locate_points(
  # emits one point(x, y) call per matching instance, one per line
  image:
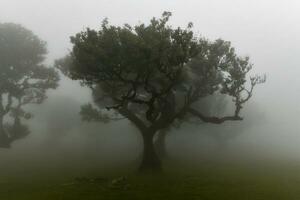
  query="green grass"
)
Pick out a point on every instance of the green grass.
point(214, 181)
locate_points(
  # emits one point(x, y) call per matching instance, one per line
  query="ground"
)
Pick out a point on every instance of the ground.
point(213, 181)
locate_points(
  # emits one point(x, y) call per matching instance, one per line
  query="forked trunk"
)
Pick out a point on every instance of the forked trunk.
point(150, 160)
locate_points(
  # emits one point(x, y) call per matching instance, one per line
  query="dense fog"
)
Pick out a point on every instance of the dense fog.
point(267, 31)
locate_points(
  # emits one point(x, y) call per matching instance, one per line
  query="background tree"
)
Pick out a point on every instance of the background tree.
point(155, 75)
point(23, 79)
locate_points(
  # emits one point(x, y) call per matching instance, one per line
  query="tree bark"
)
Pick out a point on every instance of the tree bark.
point(150, 161)
point(4, 140)
point(160, 144)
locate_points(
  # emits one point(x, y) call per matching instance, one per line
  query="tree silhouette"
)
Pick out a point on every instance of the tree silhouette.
point(23, 79)
point(155, 75)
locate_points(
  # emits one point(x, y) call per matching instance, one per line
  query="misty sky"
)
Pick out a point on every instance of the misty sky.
point(266, 30)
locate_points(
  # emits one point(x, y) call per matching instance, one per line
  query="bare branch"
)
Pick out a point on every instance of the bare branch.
point(213, 120)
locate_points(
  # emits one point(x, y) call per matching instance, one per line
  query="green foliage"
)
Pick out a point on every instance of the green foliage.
point(154, 74)
point(88, 113)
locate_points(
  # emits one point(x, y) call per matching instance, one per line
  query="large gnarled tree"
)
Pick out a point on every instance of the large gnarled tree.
point(155, 75)
point(23, 79)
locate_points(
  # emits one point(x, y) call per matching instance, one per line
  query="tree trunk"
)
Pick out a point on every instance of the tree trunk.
point(4, 140)
point(160, 144)
point(150, 160)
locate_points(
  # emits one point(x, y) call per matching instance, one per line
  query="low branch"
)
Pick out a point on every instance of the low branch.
point(213, 120)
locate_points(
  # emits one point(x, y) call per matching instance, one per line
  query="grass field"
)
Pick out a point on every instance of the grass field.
point(214, 181)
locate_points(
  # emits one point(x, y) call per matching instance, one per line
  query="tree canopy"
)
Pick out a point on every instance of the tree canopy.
point(155, 75)
point(24, 79)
